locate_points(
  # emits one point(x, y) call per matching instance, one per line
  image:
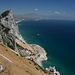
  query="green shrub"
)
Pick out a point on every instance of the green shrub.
point(6, 50)
point(2, 45)
point(39, 67)
point(36, 68)
point(0, 17)
point(5, 13)
point(29, 62)
point(17, 54)
point(6, 30)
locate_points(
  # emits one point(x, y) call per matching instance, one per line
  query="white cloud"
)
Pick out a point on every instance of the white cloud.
point(57, 12)
point(64, 12)
point(49, 11)
point(36, 9)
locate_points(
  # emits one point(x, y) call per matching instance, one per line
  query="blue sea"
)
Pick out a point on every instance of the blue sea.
point(57, 37)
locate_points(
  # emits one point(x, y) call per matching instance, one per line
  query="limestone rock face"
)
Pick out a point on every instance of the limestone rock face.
point(10, 36)
point(9, 33)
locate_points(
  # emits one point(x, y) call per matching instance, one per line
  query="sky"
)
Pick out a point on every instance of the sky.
point(54, 8)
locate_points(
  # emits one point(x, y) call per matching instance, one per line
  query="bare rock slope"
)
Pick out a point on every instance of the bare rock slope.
point(9, 33)
point(14, 64)
point(12, 45)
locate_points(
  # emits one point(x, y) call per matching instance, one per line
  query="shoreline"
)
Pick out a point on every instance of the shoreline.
point(41, 54)
point(38, 49)
point(19, 21)
point(39, 61)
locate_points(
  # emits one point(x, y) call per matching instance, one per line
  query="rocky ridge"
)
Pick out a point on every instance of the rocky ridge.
point(13, 47)
point(12, 63)
point(11, 37)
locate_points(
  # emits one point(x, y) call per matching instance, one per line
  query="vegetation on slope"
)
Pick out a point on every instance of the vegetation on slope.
point(20, 65)
point(4, 14)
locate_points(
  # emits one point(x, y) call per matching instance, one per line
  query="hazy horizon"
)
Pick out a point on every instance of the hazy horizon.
point(57, 9)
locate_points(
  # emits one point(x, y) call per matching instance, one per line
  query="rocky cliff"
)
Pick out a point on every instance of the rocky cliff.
point(10, 37)
point(9, 30)
point(12, 63)
point(9, 33)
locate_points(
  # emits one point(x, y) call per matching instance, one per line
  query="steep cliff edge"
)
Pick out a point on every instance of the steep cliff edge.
point(9, 30)
point(9, 33)
point(13, 64)
point(11, 37)
point(12, 45)
point(15, 52)
point(7, 19)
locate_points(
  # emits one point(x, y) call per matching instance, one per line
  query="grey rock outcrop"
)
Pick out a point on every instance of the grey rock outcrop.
point(10, 36)
point(9, 33)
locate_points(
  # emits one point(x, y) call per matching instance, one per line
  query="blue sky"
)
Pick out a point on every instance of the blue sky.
point(43, 7)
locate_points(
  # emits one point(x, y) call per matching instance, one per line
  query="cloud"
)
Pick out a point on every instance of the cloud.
point(64, 12)
point(36, 9)
point(57, 12)
point(49, 11)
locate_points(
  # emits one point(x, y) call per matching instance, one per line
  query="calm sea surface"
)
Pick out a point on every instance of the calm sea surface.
point(58, 39)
